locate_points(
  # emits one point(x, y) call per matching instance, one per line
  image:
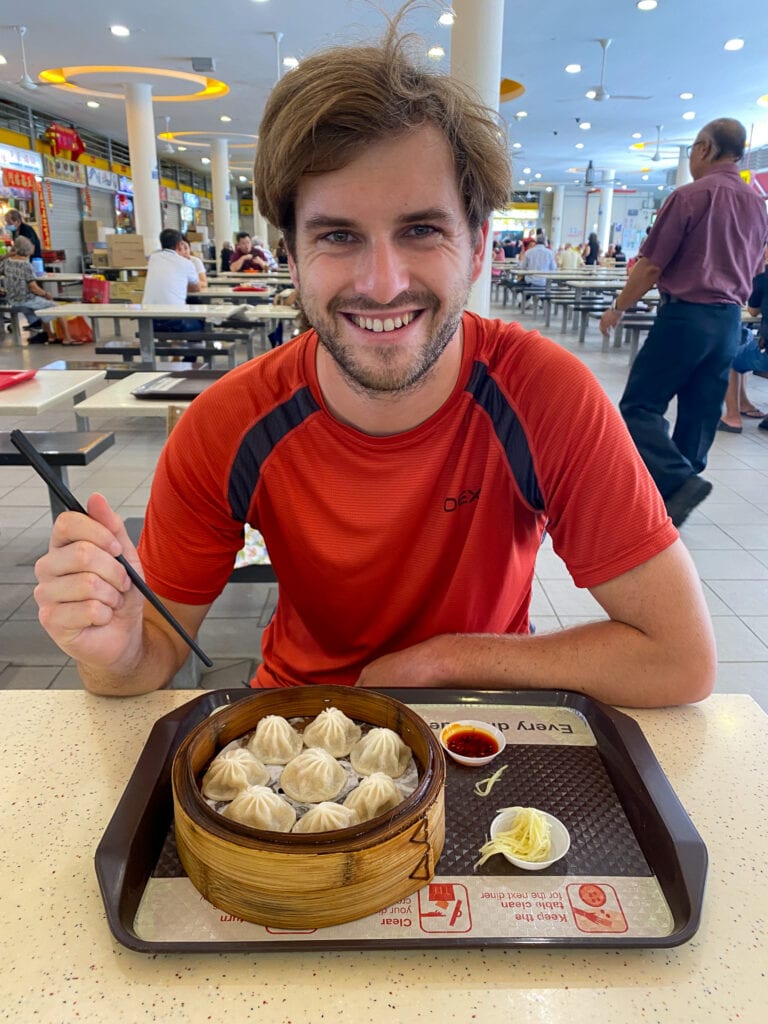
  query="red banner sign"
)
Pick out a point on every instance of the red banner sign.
point(18, 179)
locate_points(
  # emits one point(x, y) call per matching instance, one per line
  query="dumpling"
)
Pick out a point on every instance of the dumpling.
point(313, 776)
point(332, 731)
point(259, 807)
point(375, 795)
point(232, 771)
point(380, 750)
point(275, 741)
point(326, 817)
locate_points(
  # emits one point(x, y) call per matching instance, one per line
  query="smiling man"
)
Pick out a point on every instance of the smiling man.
point(403, 457)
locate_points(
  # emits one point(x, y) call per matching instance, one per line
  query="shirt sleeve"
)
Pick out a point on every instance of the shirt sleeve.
point(191, 272)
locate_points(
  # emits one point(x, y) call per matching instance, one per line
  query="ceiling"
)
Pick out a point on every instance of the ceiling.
point(675, 48)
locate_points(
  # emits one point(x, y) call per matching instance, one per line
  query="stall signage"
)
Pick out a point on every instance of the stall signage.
point(20, 159)
point(64, 170)
point(246, 207)
point(99, 178)
point(175, 195)
point(18, 179)
point(205, 203)
point(125, 185)
point(191, 199)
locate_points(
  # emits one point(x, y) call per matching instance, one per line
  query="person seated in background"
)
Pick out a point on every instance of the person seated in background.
point(281, 253)
point(197, 263)
point(244, 257)
point(498, 251)
point(538, 257)
point(16, 223)
point(23, 291)
point(619, 256)
point(570, 258)
point(226, 255)
point(261, 249)
point(171, 277)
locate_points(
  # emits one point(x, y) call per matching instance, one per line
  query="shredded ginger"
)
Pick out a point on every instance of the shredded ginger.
point(528, 839)
point(484, 786)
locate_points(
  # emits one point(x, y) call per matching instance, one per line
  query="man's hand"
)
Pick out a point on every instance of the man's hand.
point(610, 319)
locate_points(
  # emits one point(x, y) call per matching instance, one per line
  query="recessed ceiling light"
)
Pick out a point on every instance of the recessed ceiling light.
point(2, 59)
point(585, 125)
point(686, 95)
point(181, 149)
point(647, 5)
point(446, 18)
point(573, 69)
point(537, 175)
point(590, 94)
point(205, 160)
point(689, 115)
point(548, 188)
point(521, 181)
point(119, 30)
point(436, 53)
point(763, 101)
point(225, 118)
point(242, 178)
point(93, 104)
point(259, 1)
point(637, 135)
point(517, 145)
point(526, 170)
point(733, 44)
point(290, 62)
point(579, 145)
point(644, 177)
point(660, 188)
point(522, 113)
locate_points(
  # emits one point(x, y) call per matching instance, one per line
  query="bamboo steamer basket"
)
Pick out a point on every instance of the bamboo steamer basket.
point(309, 880)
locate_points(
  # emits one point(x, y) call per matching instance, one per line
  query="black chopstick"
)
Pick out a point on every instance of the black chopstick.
point(65, 496)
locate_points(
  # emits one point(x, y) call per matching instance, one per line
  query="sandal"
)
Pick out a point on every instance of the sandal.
point(753, 414)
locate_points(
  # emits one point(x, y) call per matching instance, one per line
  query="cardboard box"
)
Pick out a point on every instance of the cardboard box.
point(125, 241)
point(100, 258)
point(126, 291)
point(91, 230)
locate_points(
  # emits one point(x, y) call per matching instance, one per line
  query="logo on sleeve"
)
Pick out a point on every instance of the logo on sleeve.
point(466, 497)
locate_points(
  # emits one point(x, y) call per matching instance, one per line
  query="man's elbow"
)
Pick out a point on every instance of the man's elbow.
point(692, 677)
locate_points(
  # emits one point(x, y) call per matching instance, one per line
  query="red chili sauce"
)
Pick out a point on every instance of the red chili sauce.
point(471, 742)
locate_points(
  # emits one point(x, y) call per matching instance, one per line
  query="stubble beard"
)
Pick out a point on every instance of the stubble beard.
point(384, 373)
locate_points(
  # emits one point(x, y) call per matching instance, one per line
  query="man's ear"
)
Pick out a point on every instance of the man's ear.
point(478, 250)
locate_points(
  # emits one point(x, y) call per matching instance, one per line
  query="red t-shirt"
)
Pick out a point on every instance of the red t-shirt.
point(381, 542)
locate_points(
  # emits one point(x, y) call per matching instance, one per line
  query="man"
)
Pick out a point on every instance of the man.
point(16, 223)
point(244, 257)
point(170, 279)
point(570, 258)
point(403, 457)
point(705, 247)
point(538, 257)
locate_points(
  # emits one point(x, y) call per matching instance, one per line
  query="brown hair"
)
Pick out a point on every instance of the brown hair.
point(321, 115)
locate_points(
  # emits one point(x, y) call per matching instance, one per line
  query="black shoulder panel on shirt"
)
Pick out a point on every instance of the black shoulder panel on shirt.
point(257, 446)
point(509, 431)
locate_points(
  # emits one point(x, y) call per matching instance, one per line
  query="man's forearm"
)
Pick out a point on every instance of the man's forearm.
point(642, 277)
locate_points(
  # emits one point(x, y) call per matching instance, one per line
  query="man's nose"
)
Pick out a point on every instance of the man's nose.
point(382, 271)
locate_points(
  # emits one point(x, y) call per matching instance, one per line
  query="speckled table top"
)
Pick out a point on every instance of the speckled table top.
point(66, 757)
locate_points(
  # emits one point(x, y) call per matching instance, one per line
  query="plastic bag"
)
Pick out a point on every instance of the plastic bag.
point(95, 289)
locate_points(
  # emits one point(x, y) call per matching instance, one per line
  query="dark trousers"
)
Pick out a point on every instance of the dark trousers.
point(178, 326)
point(687, 354)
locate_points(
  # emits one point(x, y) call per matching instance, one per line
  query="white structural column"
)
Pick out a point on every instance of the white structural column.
point(222, 215)
point(605, 211)
point(476, 60)
point(260, 225)
point(140, 121)
point(683, 175)
point(556, 232)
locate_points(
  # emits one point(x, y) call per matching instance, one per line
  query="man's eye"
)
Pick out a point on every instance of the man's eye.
point(422, 230)
point(338, 236)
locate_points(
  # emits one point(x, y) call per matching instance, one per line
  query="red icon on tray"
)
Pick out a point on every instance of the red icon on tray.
point(596, 908)
point(444, 907)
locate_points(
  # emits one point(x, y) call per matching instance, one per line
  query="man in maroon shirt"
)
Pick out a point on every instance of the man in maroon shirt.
point(704, 249)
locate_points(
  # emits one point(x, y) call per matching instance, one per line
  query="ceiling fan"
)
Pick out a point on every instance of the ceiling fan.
point(599, 93)
point(26, 81)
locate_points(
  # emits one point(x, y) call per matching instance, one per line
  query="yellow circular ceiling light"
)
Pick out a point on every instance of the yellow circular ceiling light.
point(186, 138)
point(211, 88)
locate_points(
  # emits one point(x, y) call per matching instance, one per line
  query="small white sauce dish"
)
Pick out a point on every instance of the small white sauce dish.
point(453, 728)
point(559, 836)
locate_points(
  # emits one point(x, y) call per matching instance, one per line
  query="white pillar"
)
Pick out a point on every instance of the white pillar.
point(476, 61)
point(142, 146)
point(260, 225)
point(683, 175)
point(606, 210)
point(222, 219)
point(556, 232)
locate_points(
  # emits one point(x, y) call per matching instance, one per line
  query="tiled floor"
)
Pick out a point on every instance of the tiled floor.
point(727, 537)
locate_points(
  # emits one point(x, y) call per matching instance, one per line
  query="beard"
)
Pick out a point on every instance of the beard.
point(386, 369)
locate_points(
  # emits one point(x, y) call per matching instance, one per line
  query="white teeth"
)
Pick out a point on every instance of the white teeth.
point(383, 326)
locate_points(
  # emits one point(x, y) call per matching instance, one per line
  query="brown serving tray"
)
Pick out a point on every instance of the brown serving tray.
point(634, 876)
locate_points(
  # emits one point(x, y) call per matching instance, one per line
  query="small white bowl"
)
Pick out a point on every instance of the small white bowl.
point(559, 835)
point(472, 762)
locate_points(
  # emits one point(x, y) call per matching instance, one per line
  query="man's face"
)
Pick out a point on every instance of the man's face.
point(243, 245)
point(699, 159)
point(183, 249)
point(385, 259)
